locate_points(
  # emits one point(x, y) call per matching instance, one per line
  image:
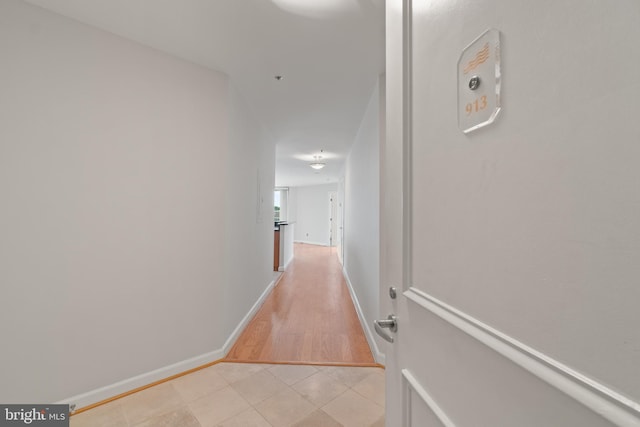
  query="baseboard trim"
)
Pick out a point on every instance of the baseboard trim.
point(284, 268)
point(102, 395)
point(288, 263)
point(99, 396)
point(247, 318)
point(594, 395)
point(278, 279)
point(377, 354)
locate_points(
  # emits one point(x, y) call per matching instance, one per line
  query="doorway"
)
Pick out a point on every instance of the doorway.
point(333, 223)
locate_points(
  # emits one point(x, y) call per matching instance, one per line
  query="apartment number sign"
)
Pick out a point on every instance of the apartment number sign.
point(479, 82)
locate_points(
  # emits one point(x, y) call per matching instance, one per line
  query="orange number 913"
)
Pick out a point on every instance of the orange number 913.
point(478, 105)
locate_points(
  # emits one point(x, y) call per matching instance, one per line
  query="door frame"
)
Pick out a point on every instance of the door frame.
point(333, 213)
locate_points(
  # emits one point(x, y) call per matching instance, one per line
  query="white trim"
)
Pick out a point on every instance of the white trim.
point(281, 268)
point(247, 318)
point(426, 397)
point(124, 386)
point(288, 262)
point(377, 354)
point(310, 243)
point(596, 396)
point(112, 390)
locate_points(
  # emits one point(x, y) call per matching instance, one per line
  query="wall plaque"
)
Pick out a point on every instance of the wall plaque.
point(479, 82)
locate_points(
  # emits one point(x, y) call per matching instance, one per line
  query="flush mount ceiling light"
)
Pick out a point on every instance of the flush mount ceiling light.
point(317, 164)
point(317, 8)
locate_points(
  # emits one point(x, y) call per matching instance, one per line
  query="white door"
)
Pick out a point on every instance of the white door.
point(514, 248)
point(340, 221)
point(333, 223)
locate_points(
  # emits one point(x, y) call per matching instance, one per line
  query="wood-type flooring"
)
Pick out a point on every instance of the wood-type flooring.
point(307, 318)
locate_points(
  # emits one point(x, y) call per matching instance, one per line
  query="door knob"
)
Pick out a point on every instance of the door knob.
point(389, 323)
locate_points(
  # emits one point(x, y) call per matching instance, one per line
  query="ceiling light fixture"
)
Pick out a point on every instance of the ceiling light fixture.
point(318, 8)
point(317, 164)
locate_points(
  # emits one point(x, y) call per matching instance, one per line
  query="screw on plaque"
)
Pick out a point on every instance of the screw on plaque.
point(474, 83)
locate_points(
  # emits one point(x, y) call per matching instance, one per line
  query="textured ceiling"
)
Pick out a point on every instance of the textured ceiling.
point(330, 53)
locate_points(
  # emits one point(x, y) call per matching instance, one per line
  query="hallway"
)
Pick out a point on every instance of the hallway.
point(308, 317)
point(306, 322)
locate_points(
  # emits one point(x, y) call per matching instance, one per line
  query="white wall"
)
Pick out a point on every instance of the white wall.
point(286, 245)
point(311, 212)
point(292, 204)
point(115, 165)
point(249, 208)
point(362, 205)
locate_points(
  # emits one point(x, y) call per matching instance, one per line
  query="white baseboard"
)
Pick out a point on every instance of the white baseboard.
point(124, 386)
point(288, 262)
point(377, 354)
point(284, 268)
point(246, 319)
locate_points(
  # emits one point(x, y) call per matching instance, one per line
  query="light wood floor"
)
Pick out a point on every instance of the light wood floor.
point(307, 318)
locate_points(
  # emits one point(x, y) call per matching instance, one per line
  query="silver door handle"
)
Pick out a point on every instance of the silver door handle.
point(389, 323)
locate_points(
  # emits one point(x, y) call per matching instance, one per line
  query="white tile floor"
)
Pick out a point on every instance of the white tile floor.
point(252, 395)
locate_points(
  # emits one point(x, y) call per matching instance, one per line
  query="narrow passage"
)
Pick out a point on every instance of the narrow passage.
point(308, 317)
